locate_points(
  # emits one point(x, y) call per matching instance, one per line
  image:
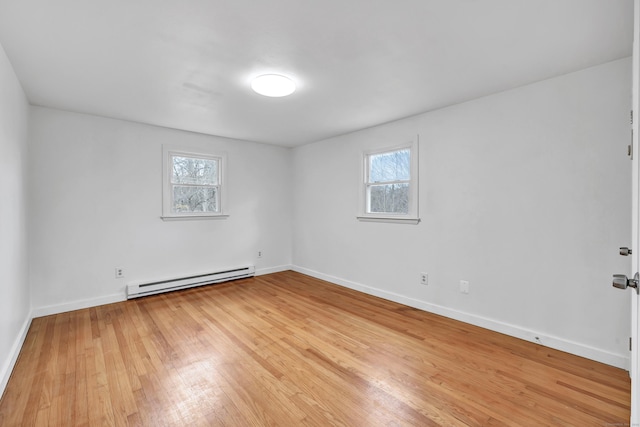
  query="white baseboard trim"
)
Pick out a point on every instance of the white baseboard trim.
point(599, 355)
point(109, 299)
point(8, 366)
point(270, 270)
point(77, 305)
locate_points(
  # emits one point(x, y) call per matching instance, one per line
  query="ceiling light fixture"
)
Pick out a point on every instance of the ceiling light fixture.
point(273, 85)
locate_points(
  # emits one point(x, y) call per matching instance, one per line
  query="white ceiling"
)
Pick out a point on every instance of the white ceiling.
point(187, 64)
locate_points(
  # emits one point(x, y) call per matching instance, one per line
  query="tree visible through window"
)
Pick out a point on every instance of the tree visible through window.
point(195, 184)
point(388, 181)
point(389, 185)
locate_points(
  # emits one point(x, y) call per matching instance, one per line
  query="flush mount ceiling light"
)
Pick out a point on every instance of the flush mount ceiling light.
point(273, 85)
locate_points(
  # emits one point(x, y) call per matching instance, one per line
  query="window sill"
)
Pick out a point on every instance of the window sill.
point(192, 217)
point(391, 220)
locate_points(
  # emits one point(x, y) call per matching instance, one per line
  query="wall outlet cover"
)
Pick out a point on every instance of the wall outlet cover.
point(424, 279)
point(464, 286)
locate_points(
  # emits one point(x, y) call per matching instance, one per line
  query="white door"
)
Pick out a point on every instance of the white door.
point(635, 238)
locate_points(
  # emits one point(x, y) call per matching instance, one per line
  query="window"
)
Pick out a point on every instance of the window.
point(390, 190)
point(193, 185)
point(388, 182)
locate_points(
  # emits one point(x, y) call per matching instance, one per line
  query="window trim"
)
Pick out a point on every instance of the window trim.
point(412, 217)
point(167, 169)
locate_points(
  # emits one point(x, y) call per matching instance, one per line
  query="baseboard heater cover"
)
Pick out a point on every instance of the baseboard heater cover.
point(136, 290)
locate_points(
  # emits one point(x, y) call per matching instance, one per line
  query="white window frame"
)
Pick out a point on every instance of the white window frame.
point(168, 152)
point(412, 216)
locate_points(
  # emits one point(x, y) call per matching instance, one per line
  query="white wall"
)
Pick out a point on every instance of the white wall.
point(96, 190)
point(14, 289)
point(525, 193)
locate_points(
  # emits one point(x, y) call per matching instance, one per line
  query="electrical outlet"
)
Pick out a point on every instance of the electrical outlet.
point(464, 286)
point(119, 272)
point(259, 254)
point(424, 279)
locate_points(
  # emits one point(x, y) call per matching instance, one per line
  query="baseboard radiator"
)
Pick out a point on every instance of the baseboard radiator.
point(136, 290)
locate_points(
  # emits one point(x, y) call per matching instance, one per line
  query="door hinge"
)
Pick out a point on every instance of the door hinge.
point(629, 343)
point(630, 147)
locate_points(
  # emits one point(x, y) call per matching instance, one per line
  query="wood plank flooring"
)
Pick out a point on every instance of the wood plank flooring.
point(287, 350)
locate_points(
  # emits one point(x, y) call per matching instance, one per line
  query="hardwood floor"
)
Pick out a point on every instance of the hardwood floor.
point(286, 349)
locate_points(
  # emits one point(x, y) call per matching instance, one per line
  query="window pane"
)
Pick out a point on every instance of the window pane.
point(194, 199)
point(390, 166)
point(190, 170)
point(389, 198)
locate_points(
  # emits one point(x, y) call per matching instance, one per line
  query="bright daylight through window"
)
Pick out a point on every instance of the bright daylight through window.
point(390, 184)
point(192, 185)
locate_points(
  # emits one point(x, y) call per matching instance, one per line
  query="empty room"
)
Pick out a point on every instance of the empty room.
point(349, 213)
